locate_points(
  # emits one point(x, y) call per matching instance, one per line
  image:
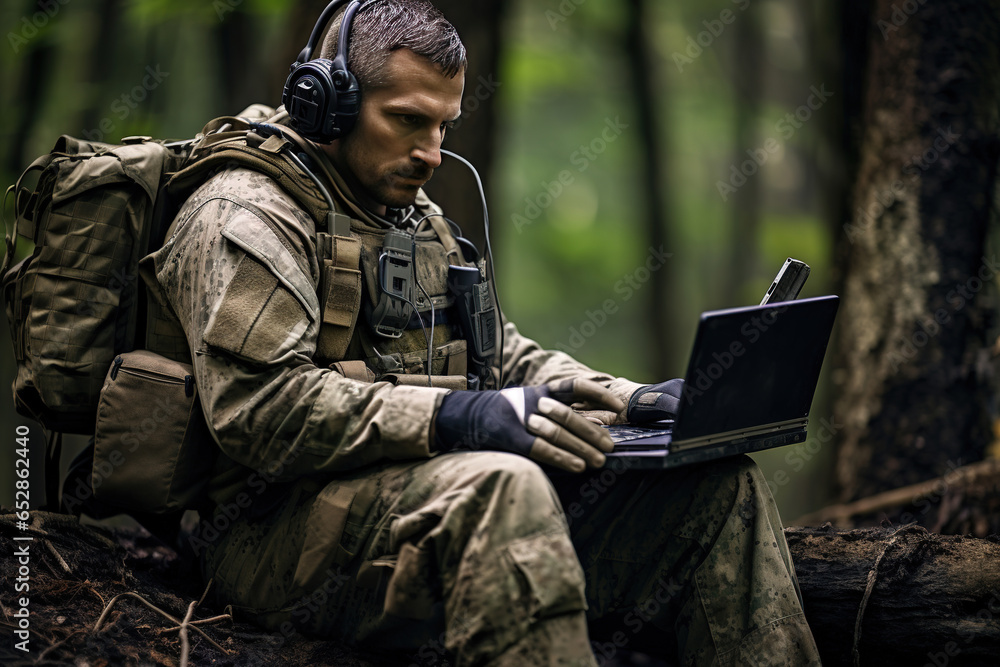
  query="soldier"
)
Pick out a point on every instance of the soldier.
point(362, 503)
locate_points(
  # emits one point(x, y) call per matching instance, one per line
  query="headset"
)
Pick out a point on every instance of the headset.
point(322, 96)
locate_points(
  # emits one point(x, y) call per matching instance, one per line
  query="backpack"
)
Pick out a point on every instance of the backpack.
point(73, 303)
point(76, 302)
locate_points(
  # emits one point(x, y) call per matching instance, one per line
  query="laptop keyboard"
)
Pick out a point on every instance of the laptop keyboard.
point(627, 432)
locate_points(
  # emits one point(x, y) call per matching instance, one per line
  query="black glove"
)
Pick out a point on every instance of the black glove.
point(536, 422)
point(655, 402)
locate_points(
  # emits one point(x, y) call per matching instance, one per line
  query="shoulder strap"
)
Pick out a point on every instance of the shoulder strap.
point(447, 239)
point(233, 151)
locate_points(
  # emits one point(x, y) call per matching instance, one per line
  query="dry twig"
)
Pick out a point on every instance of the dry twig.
point(59, 558)
point(111, 604)
point(185, 647)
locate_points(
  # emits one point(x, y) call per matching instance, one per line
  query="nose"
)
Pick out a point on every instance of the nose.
point(428, 150)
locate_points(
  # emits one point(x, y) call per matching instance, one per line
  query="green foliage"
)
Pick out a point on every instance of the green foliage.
point(204, 11)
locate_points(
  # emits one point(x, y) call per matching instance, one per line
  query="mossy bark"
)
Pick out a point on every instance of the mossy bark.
point(912, 391)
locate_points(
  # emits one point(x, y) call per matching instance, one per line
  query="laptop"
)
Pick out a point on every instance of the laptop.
point(749, 386)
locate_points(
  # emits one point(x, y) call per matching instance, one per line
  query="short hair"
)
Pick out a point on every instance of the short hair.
point(384, 26)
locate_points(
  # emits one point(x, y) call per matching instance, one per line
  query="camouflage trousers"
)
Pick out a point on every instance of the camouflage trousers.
point(480, 558)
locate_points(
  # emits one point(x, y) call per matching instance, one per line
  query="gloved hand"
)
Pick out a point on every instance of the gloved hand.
point(655, 402)
point(536, 422)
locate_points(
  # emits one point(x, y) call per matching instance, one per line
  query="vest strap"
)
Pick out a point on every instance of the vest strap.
point(447, 240)
point(341, 293)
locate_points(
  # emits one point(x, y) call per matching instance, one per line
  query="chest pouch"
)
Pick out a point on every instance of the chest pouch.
point(393, 309)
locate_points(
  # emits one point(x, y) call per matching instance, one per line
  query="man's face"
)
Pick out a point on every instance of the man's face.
point(395, 144)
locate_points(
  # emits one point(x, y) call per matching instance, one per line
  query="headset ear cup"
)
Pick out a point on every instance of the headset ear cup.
point(322, 103)
point(322, 96)
point(310, 98)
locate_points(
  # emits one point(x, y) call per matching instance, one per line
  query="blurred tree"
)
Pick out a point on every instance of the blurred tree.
point(748, 84)
point(101, 62)
point(31, 93)
point(234, 39)
point(654, 183)
point(919, 283)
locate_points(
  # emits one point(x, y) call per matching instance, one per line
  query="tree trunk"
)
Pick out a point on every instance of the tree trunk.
point(932, 599)
point(654, 184)
point(748, 83)
point(32, 88)
point(235, 38)
point(102, 74)
point(915, 311)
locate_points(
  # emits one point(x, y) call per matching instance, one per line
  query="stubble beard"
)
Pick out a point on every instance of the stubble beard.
point(384, 188)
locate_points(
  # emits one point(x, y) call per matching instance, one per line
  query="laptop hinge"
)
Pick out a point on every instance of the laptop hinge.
point(739, 434)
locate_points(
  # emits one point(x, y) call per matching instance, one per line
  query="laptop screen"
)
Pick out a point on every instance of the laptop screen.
point(754, 366)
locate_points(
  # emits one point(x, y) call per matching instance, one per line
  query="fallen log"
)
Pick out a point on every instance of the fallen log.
point(899, 596)
point(922, 599)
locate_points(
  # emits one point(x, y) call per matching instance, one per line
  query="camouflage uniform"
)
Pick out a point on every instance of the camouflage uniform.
point(336, 517)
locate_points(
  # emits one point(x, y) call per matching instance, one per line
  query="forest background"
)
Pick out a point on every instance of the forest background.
point(721, 135)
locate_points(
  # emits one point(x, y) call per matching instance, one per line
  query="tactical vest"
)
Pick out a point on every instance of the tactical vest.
point(348, 250)
point(403, 360)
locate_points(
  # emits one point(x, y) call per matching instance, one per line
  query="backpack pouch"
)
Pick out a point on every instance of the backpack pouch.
point(152, 448)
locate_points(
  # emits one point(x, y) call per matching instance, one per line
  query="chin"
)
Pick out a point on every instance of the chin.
point(397, 198)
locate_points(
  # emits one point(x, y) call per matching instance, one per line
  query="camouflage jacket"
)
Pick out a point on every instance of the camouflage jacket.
point(240, 276)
